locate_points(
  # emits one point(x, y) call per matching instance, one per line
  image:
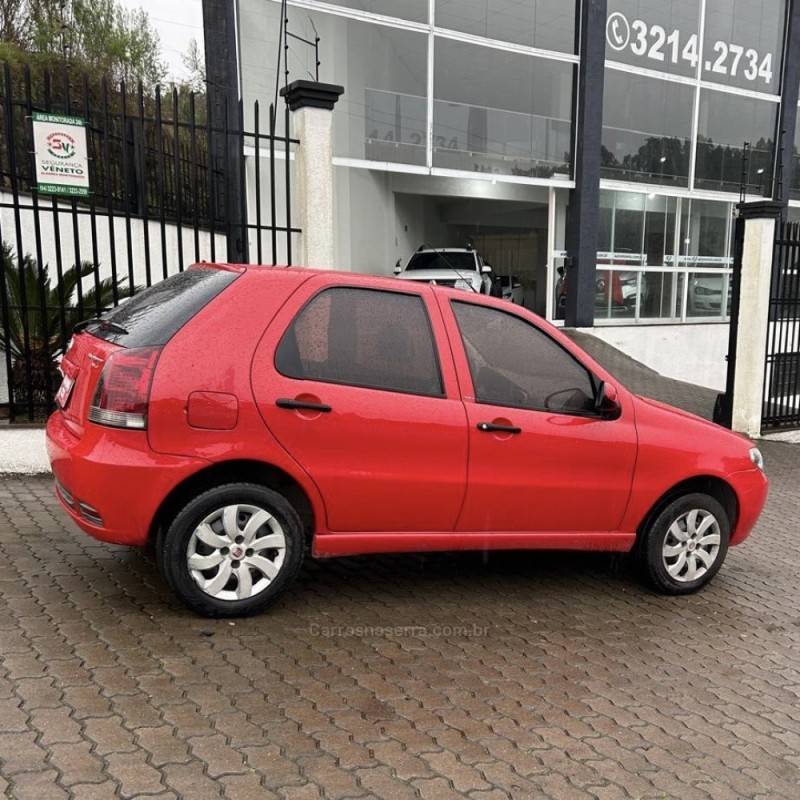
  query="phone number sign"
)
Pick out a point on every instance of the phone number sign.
point(663, 48)
point(62, 162)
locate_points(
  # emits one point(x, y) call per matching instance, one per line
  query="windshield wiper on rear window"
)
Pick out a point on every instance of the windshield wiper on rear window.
point(102, 323)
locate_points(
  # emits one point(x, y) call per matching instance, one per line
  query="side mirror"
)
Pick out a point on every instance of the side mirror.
point(486, 269)
point(607, 401)
point(398, 266)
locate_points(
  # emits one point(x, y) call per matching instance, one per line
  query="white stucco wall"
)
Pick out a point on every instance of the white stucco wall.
point(692, 353)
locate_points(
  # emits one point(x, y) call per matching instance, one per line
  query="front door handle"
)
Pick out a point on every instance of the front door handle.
point(489, 427)
point(303, 405)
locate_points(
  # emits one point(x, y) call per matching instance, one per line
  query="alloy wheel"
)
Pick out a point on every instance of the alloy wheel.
point(236, 552)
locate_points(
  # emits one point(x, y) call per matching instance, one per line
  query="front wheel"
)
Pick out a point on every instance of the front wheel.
point(682, 549)
point(232, 550)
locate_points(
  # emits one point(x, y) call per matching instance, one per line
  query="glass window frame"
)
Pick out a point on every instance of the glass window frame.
point(441, 395)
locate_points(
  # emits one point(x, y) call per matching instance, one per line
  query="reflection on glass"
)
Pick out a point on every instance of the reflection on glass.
point(705, 233)
point(621, 228)
point(615, 293)
point(743, 43)
point(636, 263)
point(382, 115)
point(394, 127)
point(548, 24)
point(660, 298)
point(726, 122)
point(501, 112)
point(646, 129)
point(659, 229)
point(707, 294)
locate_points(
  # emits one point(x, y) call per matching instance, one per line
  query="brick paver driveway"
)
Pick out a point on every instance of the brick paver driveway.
point(522, 676)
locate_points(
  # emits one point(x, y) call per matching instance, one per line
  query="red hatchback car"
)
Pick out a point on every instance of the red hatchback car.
point(237, 417)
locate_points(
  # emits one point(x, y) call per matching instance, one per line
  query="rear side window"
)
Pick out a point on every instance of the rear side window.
point(153, 316)
point(363, 337)
point(515, 364)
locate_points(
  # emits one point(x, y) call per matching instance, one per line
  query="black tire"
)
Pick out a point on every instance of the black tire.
point(649, 551)
point(175, 538)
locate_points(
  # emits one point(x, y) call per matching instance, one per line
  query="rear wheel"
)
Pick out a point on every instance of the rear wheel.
point(682, 549)
point(232, 550)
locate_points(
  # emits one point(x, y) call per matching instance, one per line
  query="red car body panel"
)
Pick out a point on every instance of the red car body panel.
point(557, 458)
point(384, 471)
point(382, 460)
point(116, 473)
point(671, 450)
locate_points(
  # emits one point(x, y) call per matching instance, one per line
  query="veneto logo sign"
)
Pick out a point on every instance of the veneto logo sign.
point(62, 164)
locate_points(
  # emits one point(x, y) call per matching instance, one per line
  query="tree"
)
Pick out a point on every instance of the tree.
point(13, 21)
point(100, 37)
point(195, 65)
point(27, 292)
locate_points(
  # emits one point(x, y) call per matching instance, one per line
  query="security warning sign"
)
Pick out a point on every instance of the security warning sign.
point(62, 164)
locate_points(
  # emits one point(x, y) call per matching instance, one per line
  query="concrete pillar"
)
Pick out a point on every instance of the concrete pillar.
point(311, 104)
point(754, 290)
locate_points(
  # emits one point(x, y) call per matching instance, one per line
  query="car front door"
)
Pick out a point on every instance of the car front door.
point(358, 385)
point(541, 459)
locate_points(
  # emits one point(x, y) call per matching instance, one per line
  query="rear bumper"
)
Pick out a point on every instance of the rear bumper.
point(109, 481)
point(751, 487)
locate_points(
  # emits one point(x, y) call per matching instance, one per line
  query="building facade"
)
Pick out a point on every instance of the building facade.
point(458, 124)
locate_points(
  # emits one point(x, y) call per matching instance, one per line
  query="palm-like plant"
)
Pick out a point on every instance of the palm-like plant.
point(40, 313)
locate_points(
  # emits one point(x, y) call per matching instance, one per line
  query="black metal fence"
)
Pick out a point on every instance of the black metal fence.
point(781, 404)
point(163, 172)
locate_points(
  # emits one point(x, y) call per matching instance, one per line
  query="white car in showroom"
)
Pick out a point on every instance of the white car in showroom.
point(459, 268)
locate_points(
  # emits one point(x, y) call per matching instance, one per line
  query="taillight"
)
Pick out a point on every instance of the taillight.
point(123, 390)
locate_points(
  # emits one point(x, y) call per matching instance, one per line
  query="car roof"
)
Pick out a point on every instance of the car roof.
point(363, 278)
point(444, 250)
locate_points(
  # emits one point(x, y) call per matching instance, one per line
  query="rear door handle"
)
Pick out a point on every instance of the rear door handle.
point(489, 427)
point(306, 405)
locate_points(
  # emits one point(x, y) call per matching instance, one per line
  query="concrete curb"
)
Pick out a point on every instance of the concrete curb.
point(22, 452)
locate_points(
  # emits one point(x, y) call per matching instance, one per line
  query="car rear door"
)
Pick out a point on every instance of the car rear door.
point(356, 381)
point(540, 460)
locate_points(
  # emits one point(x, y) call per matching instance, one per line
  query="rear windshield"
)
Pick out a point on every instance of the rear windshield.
point(458, 261)
point(153, 316)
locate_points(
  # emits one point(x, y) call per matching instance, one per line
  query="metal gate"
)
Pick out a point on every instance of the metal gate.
point(781, 404)
point(165, 191)
point(723, 409)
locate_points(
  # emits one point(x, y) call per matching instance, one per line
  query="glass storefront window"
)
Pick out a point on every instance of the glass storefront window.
point(546, 24)
point(794, 189)
point(659, 229)
point(708, 294)
point(705, 233)
point(501, 112)
point(726, 122)
point(413, 10)
point(382, 116)
point(660, 295)
point(744, 42)
point(654, 35)
point(647, 129)
point(638, 275)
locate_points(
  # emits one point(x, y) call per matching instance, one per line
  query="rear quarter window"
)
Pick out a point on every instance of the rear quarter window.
point(153, 316)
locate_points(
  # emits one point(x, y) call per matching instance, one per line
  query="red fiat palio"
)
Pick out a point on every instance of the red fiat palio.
point(239, 417)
